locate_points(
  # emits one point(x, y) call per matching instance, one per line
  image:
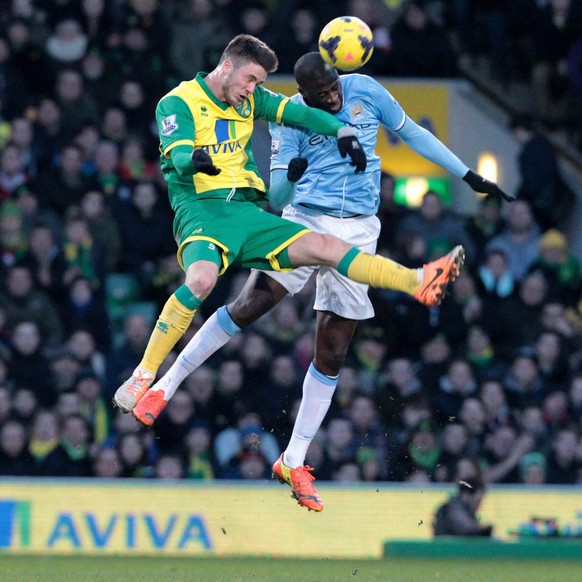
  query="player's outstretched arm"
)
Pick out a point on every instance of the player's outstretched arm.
point(430, 147)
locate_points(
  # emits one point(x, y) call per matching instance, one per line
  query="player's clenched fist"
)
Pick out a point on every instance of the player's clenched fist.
point(348, 145)
point(202, 162)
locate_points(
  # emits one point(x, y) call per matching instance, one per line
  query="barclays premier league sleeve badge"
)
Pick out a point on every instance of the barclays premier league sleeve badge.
point(169, 125)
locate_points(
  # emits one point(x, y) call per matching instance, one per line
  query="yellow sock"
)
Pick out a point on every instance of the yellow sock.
point(378, 271)
point(170, 327)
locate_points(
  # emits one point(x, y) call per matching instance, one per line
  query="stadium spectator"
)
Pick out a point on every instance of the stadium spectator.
point(107, 464)
point(200, 461)
point(44, 437)
point(562, 466)
point(561, 269)
point(398, 385)
point(542, 184)
point(519, 240)
point(340, 446)
point(454, 444)
point(497, 411)
point(29, 62)
point(133, 455)
point(438, 226)
point(456, 384)
point(484, 224)
point(420, 455)
point(494, 279)
point(502, 453)
point(175, 424)
point(531, 420)
point(71, 457)
point(78, 108)
point(523, 382)
point(67, 44)
point(247, 434)
point(82, 343)
point(473, 417)
point(555, 411)
point(13, 172)
point(102, 227)
point(25, 405)
point(516, 321)
point(15, 460)
point(64, 183)
point(144, 213)
point(48, 136)
point(169, 467)
point(92, 405)
point(28, 364)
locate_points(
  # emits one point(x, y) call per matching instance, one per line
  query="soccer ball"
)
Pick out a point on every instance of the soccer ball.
point(346, 43)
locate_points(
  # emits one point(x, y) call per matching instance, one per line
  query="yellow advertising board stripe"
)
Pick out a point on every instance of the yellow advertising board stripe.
point(426, 102)
point(232, 519)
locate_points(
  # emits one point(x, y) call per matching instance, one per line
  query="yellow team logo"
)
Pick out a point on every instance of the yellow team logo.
point(244, 108)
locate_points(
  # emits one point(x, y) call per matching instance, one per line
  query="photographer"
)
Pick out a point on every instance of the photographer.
point(457, 517)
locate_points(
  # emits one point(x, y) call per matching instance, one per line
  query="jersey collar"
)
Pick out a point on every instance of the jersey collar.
point(200, 80)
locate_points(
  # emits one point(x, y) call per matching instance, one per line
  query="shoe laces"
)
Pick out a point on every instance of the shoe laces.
point(303, 475)
point(137, 385)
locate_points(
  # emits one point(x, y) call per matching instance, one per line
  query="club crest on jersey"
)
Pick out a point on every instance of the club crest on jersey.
point(275, 146)
point(169, 125)
point(244, 108)
point(356, 111)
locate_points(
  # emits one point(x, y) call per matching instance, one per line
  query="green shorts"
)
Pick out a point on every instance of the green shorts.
point(246, 235)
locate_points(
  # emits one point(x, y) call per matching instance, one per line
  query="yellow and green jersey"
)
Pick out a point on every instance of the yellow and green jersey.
point(191, 115)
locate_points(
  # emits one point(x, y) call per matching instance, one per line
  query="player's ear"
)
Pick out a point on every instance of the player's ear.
point(227, 66)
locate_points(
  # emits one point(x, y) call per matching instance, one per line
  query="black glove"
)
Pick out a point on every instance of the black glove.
point(479, 184)
point(296, 169)
point(203, 163)
point(348, 145)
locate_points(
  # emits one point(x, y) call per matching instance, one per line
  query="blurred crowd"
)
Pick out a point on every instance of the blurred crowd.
point(488, 383)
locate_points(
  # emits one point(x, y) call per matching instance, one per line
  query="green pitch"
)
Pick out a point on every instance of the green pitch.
point(117, 569)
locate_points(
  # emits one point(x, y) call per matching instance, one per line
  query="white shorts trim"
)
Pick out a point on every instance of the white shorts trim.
point(334, 292)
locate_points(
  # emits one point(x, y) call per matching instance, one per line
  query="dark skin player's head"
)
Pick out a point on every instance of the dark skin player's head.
point(318, 83)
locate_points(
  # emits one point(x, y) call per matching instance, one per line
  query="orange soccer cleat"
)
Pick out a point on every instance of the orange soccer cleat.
point(150, 407)
point(300, 480)
point(132, 390)
point(437, 275)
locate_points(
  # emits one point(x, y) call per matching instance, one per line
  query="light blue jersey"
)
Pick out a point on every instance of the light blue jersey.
point(330, 183)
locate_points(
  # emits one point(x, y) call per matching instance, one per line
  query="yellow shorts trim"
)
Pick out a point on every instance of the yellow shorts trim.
point(271, 257)
point(223, 254)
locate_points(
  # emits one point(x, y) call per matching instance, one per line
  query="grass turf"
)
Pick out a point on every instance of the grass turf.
point(212, 569)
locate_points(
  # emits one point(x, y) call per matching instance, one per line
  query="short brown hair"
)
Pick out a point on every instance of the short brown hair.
point(245, 47)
